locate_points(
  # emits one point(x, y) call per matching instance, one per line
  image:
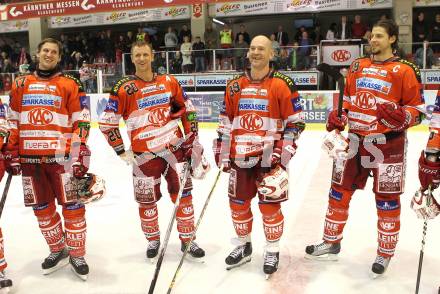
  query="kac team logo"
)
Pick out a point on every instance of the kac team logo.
point(40, 117)
point(365, 100)
point(158, 115)
point(251, 122)
point(341, 55)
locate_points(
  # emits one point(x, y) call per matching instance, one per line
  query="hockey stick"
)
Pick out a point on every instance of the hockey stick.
point(425, 227)
point(5, 193)
point(170, 288)
point(169, 229)
point(327, 69)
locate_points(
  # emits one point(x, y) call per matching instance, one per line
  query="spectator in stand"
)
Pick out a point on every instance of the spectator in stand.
point(297, 59)
point(226, 45)
point(120, 48)
point(283, 60)
point(23, 57)
point(383, 17)
point(435, 34)
point(176, 64)
point(366, 42)
point(343, 31)
point(420, 30)
point(77, 60)
point(316, 33)
point(7, 66)
point(282, 37)
point(275, 45)
point(211, 43)
point(199, 55)
point(127, 54)
point(243, 32)
point(140, 36)
point(87, 77)
point(160, 63)
point(331, 33)
point(240, 53)
point(171, 40)
point(5, 47)
point(23, 68)
point(186, 50)
point(109, 47)
point(358, 29)
point(418, 56)
point(299, 33)
point(185, 31)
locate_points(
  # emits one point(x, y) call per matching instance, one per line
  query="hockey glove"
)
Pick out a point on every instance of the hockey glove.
point(12, 160)
point(425, 205)
point(429, 172)
point(282, 153)
point(128, 157)
point(81, 165)
point(394, 117)
point(223, 162)
point(334, 122)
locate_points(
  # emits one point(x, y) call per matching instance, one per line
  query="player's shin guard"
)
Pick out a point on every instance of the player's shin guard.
point(75, 224)
point(273, 222)
point(185, 218)
point(149, 221)
point(337, 214)
point(3, 263)
point(242, 218)
point(49, 222)
point(388, 224)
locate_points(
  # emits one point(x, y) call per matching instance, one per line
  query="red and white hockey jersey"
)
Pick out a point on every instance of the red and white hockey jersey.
point(47, 115)
point(370, 82)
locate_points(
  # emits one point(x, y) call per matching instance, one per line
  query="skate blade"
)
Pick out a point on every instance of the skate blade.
point(152, 260)
point(5, 290)
point(82, 277)
point(324, 257)
point(191, 258)
point(63, 262)
point(243, 261)
point(373, 275)
point(268, 276)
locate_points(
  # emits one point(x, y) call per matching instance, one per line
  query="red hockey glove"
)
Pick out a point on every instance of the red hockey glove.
point(81, 165)
point(282, 153)
point(429, 172)
point(393, 117)
point(336, 123)
point(221, 160)
point(187, 146)
point(12, 160)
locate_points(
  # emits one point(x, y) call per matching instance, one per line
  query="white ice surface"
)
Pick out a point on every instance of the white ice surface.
point(116, 245)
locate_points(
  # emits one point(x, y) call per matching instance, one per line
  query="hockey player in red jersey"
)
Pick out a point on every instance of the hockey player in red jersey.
point(259, 124)
point(50, 122)
point(5, 283)
point(151, 106)
point(423, 203)
point(382, 99)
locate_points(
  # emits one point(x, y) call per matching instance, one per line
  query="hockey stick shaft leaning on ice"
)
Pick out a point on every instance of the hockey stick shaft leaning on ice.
point(337, 76)
point(422, 250)
point(5, 194)
point(169, 229)
point(170, 288)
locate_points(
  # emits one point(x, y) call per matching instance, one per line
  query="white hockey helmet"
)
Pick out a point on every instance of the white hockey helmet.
point(274, 184)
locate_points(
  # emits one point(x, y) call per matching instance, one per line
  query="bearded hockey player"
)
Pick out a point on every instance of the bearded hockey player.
point(50, 123)
point(423, 203)
point(258, 126)
point(152, 105)
point(382, 99)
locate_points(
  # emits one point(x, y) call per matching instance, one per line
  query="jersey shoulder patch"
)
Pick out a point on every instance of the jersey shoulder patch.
point(115, 89)
point(287, 80)
point(77, 81)
point(414, 67)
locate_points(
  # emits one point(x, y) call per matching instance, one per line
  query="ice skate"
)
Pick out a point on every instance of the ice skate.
point(323, 251)
point(271, 260)
point(240, 255)
point(379, 266)
point(55, 261)
point(195, 253)
point(153, 250)
point(5, 283)
point(79, 267)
